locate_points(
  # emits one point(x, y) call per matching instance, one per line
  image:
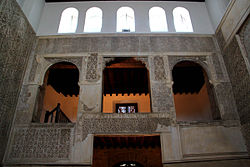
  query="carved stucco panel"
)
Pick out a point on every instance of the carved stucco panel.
point(117, 125)
point(75, 60)
point(41, 143)
point(92, 68)
point(159, 69)
point(162, 99)
point(173, 60)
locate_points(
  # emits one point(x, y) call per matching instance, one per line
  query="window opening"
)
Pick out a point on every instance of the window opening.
point(126, 87)
point(93, 20)
point(157, 20)
point(59, 95)
point(182, 20)
point(125, 20)
point(127, 108)
point(68, 22)
point(193, 94)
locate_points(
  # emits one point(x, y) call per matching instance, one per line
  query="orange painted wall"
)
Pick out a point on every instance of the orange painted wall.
point(191, 107)
point(69, 104)
point(142, 100)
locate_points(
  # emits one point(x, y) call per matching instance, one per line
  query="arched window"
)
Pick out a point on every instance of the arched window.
point(182, 20)
point(157, 19)
point(125, 20)
point(193, 94)
point(93, 20)
point(59, 95)
point(68, 22)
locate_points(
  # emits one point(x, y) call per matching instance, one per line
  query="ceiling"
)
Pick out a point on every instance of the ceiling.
point(121, 0)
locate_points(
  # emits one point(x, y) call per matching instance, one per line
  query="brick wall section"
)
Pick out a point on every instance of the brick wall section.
point(240, 78)
point(16, 39)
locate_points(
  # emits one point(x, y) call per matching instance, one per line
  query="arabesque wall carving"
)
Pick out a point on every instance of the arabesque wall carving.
point(41, 142)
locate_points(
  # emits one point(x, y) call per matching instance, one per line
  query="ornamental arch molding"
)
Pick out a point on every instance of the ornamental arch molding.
point(200, 60)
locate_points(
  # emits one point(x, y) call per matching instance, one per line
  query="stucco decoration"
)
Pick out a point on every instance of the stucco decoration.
point(75, 60)
point(162, 100)
point(159, 69)
point(118, 125)
point(41, 142)
point(92, 70)
point(128, 43)
point(16, 42)
point(240, 78)
point(144, 60)
point(201, 60)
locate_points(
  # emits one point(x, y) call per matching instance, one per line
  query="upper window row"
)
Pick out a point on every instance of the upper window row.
point(125, 20)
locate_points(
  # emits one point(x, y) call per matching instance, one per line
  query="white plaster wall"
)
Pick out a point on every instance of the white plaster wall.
point(32, 10)
point(52, 12)
point(216, 10)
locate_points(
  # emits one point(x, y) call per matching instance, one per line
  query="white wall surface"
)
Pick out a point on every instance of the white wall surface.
point(32, 10)
point(216, 10)
point(50, 19)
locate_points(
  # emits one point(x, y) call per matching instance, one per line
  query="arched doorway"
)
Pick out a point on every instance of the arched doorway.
point(193, 94)
point(59, 95)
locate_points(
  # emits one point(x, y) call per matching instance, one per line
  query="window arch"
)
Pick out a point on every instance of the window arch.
point(93, 20)
point(182, 20)
point(125, 20)
point(157, 19)
point(69, 20)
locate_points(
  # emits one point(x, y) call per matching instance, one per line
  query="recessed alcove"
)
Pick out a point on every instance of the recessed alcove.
point(126, 81)
point(193, 94)
point(59, 94)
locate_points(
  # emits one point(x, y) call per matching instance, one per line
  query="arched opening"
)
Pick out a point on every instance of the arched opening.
point(182, 20)
point(157, 20)
point(59, 95)
point(193, 94)
point(126, 87)
point(93, 20)
point(69, 20)
point(125, 20)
